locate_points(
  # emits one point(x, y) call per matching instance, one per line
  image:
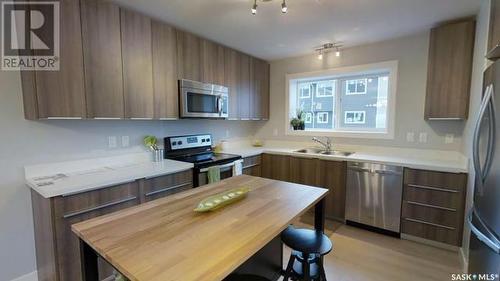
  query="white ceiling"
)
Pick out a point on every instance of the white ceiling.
point(272, 35)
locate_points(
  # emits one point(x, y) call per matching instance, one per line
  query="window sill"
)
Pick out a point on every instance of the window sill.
point(342, 134)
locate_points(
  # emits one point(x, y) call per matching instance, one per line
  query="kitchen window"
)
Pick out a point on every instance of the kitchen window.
point(355, 101)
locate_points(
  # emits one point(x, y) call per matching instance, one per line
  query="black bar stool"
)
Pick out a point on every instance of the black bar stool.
point(308, 249)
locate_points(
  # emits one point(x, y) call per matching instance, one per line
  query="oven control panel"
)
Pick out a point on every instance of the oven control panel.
point(193, 141)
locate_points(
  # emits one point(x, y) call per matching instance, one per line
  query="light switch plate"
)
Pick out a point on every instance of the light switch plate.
point(449, 138)
point(422, 137)
point(125, 141)
point(410, 137)
point(112, 142)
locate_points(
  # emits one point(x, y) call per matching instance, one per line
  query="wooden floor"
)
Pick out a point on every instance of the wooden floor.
point(360, 255)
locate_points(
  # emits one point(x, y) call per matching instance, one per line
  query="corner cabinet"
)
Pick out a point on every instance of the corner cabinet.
point(449, 71)
point(117, 64)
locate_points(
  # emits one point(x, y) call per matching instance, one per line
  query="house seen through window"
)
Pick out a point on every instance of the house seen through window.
point(343, 102)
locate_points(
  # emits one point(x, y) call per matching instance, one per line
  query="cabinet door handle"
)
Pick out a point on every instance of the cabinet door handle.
point(433, 188)
point(430, 223)
point(107, 205)
point(250, 166)
point(431, 206)
point(166, 189)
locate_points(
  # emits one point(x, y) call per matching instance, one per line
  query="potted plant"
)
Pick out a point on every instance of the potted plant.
point(298, 122)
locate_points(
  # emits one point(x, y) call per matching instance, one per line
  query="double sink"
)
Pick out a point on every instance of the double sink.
point(324, 152)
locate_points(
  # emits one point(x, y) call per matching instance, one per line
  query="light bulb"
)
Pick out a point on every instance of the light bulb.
point(320, 56)
point(254, 8)
point(337, 53)
point(284, 8)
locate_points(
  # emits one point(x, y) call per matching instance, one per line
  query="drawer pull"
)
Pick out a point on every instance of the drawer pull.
point(431, 206)
point(166, 189)
point(433, 188)
point(107, 205)
point(250, 166)
point(430, 223)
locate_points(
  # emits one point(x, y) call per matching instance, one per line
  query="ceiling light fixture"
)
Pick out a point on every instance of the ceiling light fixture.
point(284, 8)
point(328, 47)
point(254, 8)
point(320, 55)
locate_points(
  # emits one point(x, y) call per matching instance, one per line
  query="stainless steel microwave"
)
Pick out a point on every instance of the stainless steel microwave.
point(202, 100)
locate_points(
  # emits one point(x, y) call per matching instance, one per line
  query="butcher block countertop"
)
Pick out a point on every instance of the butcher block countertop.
point(166, 240)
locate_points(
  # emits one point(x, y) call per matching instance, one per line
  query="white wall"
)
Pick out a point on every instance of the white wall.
point(25, 142)
point(411, 52)
point(480, 64)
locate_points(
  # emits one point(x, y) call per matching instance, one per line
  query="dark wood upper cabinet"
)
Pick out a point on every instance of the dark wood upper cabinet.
point(494, 31)
point(259, 93)
point(449, 71)
point(244, 86)
point(212, 62)
point(188, 56)
point(137, 65)
point(231, 80)
point(164, 47)
point(103, 59)
point(59, 94)
point(116, 63)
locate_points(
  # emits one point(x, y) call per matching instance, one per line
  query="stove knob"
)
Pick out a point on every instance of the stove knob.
point(174, 143)
point(179, 142)
point(203, 140)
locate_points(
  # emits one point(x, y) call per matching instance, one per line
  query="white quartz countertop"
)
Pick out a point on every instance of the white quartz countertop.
point(425, 159)
point(66, 178)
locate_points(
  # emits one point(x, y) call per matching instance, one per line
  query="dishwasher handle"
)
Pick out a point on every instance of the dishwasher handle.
point(374, 171)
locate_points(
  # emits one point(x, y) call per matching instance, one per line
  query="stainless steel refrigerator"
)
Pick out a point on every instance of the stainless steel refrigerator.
point(484, 217)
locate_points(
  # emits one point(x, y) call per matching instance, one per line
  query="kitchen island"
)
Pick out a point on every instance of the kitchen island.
point(166, 240)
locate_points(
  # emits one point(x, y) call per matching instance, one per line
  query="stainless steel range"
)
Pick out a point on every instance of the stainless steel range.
point(197, 149)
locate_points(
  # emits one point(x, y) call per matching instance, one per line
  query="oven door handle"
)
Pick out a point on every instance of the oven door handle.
point(220, 166)
point(219, 105)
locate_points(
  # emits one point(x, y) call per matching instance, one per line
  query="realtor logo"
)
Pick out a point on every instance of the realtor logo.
point(30, 35)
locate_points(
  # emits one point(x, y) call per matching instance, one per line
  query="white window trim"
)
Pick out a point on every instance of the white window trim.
point(322, 113)
point(354, 111)
point(318, 95)
point(390, 66)
point(356, 93)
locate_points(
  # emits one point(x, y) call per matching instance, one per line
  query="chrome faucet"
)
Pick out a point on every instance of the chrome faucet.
point(327, 144)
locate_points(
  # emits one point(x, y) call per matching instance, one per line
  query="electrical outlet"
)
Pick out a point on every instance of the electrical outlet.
point(449, 138)
point(410, 137)
point(125, 141)
point(112, 142)
point(275, 132)
point(422, 137)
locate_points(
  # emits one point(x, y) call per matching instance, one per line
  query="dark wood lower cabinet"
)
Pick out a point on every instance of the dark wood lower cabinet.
point(433, 205)
point(57, 248)
point(252, 166)
point(310, 171)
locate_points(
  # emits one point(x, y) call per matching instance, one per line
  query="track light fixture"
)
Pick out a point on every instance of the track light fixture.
point(254, 8)
point(328, 47)
point(284, 7)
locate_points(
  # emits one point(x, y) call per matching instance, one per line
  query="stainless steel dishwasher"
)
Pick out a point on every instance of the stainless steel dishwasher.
point(374, 194)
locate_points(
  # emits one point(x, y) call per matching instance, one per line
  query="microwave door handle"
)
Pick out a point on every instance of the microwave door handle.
point(475, 143)
point(491, 135)
point(219, 105)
